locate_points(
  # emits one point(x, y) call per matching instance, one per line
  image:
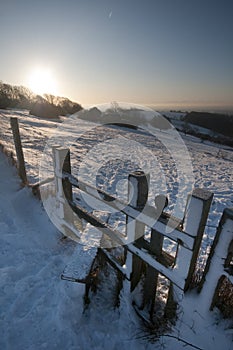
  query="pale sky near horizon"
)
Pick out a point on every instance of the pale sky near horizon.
point(176, 52)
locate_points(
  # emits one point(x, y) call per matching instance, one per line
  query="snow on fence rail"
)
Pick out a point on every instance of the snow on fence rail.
point(143, 256)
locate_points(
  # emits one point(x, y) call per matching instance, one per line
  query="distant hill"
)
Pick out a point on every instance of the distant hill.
point(214, 127)
point(219, 123)
point(46, 106)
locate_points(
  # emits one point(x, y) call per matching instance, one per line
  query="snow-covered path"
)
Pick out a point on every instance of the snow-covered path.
point(37, 309)
point(33, 299)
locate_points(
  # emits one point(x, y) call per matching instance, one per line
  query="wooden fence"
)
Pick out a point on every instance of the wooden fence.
point(142, 256)
point(143, 259)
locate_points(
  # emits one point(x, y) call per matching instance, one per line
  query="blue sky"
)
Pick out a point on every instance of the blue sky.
point(161, 52)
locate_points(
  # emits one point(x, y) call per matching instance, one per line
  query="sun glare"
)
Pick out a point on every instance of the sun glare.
point(41, 81)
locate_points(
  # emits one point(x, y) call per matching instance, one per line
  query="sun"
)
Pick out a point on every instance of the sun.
point(41, 81)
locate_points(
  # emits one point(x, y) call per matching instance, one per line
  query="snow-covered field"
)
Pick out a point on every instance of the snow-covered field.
point(38, 310)
point(109, 157)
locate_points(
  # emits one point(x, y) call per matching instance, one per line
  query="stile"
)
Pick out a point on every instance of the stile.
point(143, 255)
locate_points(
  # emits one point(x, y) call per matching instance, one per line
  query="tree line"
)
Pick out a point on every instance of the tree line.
point(46, 106)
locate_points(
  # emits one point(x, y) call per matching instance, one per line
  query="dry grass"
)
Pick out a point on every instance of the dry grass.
point(224, 300)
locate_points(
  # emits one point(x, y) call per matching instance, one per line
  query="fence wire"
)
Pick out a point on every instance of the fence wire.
point(34, 133)
point(6, 137)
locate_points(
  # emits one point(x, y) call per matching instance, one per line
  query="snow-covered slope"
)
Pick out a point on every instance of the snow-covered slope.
point(40, 311)
point(183, 124)
point(211, 163)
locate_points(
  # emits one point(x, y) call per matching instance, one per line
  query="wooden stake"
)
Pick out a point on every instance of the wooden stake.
point(19, 150)
point(197, 211)
point(151, 281)
point(137, 195)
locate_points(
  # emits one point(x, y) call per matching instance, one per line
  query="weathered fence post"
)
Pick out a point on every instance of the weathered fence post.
point(217, 260)
point(151, 279)
point(137, 195)
point(19, 150)
point(67, 187)
point(155, 248)
point(64, 194)
point(196, 215)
